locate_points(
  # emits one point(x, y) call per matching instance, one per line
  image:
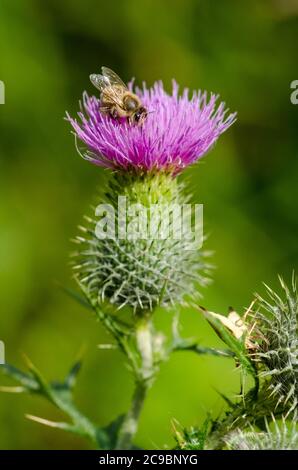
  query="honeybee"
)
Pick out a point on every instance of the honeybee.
point(116, 99)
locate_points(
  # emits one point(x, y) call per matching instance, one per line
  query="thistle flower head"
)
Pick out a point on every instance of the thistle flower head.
point(146, 271)
point(276, 352)
point(176, 133)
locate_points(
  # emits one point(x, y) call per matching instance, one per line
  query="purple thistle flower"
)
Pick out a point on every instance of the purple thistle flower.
point(176, 133)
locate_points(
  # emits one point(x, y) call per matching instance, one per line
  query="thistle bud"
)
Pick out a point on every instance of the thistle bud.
point(141, 249)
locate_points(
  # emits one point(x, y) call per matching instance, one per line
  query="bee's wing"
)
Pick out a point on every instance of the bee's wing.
point(99, 81)
point(112, 77)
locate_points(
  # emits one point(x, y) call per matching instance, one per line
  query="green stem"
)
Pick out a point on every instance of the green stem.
point(144, 344)
point(202, 349)
point(130, 423)
point(144, 380)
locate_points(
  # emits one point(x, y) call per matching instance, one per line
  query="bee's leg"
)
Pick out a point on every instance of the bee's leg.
point(114, 112)
point(122, 113)
point(104, 110)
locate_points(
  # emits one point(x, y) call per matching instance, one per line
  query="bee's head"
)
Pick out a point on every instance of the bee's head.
point(140, 115)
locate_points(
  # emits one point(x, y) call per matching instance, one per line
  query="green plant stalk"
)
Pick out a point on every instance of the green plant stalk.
point(144, 379)
point(186, 345)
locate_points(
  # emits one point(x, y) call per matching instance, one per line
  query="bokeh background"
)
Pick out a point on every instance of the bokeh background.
point(247, 52)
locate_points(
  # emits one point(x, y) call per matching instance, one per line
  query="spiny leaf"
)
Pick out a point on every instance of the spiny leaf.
point(43, 385)
point(107, 437)
point(76, 296)
point(226, 399)
point(28, 382)
point(193, 438)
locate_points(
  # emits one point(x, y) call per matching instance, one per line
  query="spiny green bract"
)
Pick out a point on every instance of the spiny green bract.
point(277, 350)
point(143, 272)
point(192, 438)
point(281, 437)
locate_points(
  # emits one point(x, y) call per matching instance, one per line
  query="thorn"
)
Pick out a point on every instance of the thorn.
point(27, 361)
point(82, 229)
point(88, 219)
point(249, 309)
point(175, 425)
point(81, 353)
point(17, 389)
point(39, 420)
point(107, 346)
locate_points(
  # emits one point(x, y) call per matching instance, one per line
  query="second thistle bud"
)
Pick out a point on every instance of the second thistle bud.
point(277, 354)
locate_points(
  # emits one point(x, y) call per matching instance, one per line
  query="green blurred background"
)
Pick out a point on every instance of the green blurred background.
point(247, 52)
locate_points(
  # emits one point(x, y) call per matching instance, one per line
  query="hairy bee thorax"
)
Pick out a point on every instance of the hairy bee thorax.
point(131, 101)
